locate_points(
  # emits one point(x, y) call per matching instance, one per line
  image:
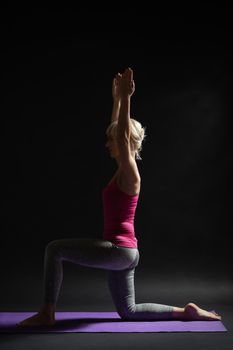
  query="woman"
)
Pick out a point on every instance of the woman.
point(117, 252)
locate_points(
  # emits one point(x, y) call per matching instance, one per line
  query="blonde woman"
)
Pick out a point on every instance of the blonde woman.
point(117, 251)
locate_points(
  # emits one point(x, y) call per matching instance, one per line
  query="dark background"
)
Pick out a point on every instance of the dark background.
point(56, 75)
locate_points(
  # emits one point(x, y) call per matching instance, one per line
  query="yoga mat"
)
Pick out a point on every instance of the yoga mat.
point(103, 322)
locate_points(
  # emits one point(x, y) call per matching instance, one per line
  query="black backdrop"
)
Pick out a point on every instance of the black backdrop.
point(57, 70)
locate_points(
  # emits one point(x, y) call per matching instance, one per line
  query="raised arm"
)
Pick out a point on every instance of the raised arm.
point(126, 90)
point(116, 98)
point(126, 154)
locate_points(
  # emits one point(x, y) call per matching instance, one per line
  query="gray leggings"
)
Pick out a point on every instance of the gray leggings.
point(120, 263)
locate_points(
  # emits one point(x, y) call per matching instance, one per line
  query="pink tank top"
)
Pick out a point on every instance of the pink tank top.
point(119, 211)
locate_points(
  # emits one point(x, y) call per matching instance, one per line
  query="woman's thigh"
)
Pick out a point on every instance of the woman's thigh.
point(121, 286)
point(93, 252)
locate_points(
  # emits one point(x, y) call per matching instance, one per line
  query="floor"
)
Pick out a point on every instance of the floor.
point(208, 294)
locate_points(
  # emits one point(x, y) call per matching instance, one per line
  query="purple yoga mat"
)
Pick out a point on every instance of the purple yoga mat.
point(103, 322)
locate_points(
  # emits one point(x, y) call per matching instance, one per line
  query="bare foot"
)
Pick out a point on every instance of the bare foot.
point(37, 320)
point(193, 312)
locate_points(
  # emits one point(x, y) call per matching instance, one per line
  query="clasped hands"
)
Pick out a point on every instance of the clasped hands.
point(123, 85)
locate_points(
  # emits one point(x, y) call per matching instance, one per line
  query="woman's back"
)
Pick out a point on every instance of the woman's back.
point(119, 212)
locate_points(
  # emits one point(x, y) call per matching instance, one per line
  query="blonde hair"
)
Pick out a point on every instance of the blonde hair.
point(137, 135)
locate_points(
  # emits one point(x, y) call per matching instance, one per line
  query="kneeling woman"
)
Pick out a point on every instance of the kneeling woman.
point(117, 252)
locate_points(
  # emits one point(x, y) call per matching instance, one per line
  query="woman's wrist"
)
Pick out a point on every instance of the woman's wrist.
point(125, 98)
point(116, 101)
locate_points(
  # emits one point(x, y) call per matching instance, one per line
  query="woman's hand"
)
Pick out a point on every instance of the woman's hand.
point(126, 84)
point(115, 87)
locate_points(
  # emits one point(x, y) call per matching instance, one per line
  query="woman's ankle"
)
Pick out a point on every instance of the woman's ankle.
point(48, 309)
point(178, 312)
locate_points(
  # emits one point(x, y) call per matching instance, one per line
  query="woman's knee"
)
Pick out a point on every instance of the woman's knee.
point(53, 246)
point(127, 313)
